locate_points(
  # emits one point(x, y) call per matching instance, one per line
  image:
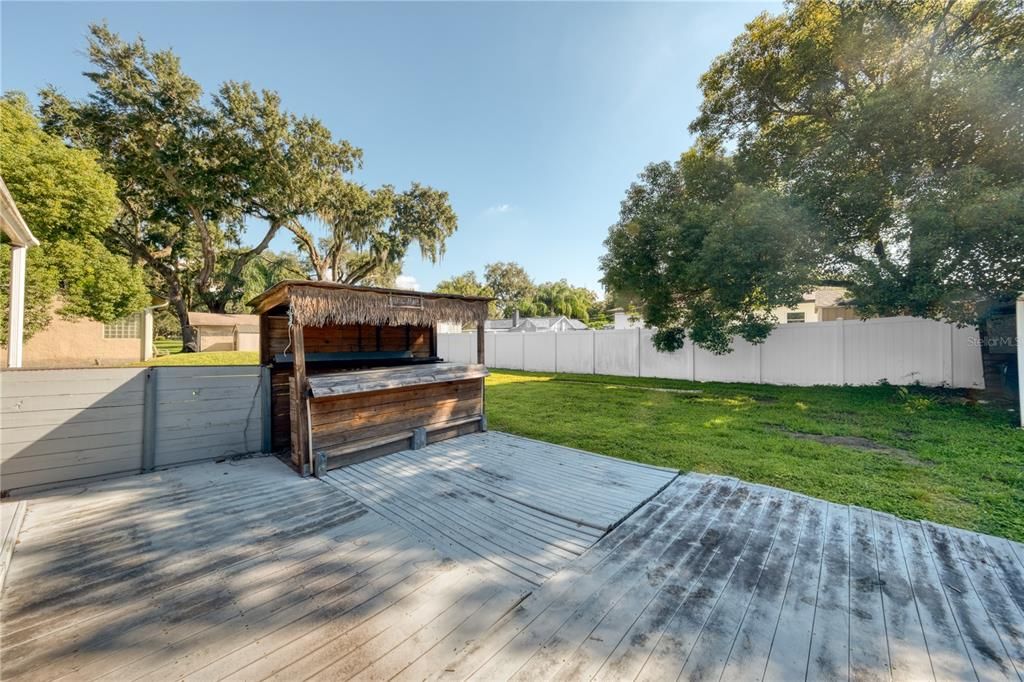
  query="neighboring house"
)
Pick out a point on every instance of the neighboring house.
point(557, 323)
point(449, 328)
point(623, 320)
point(87, 343)
point(220, 331)
point(825, 304)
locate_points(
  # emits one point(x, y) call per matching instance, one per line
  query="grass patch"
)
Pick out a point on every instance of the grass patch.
point(938, 456)
point(167, 346)
point(231, 357)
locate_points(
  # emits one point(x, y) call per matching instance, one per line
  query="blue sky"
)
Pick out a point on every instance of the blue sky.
point(534, 117)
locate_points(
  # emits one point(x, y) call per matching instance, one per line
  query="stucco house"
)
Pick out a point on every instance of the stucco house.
point(824, 304)
point(88, 343)
point(222, 331)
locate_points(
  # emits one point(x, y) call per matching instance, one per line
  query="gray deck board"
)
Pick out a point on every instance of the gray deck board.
point(462, 560)
point(905, 641)
point(500, 499)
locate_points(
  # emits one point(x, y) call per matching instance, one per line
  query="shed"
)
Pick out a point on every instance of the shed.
point(355, 371)
point(223, 331)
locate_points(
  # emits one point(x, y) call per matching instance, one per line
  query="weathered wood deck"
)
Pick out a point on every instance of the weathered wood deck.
point(526, 507)
point(202, 572)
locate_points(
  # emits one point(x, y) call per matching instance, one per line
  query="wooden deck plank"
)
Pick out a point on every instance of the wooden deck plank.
point(574, 536)
point(1003, 612)
point(946, 647)
point(55, 600)
point(585, 502)
point(752, 643)
point(421, 518)
point(714, 644)
point(460, 489)
point(419, 521)
point(703, 588)
point(984, 643)
point(221, 650)
point(556, 458)
point(204, 573)
point(604, 585)
point(556, 474)
point(787, 657)
point(904, 632)
point(456, 473)
point(448, 515)
point(477, 510)
point(869, 643)
point(649, 529)
point(342, 650)
point(1011, 572)
point(428, 650)
point(601, 623)
point(829, 657)
point(142, 627)
point(622, 475)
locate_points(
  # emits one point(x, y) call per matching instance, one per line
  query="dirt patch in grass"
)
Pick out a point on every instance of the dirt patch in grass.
point(859, 443)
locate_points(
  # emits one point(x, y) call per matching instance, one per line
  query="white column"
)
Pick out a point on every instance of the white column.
point(147, 334)
point(1020, 356)
point(16, 317)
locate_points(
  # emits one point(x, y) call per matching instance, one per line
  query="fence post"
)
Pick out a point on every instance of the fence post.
point(760, 362)
point(266, 391)
point(841, 353)
point(639, 352)
point(556, 351)
point(149, 417)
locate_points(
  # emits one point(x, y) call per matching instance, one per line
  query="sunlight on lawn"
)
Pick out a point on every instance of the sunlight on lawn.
point(919, 453)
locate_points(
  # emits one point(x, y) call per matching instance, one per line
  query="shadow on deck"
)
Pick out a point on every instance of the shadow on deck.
point(494, 556)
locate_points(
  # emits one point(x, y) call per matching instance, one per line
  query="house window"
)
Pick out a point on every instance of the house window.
point(125, 328)
point(794, 317)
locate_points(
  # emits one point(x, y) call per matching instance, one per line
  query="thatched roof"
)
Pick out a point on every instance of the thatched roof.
point(321, 304)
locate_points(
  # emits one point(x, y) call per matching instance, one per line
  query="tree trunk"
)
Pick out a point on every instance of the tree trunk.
point(188, 336)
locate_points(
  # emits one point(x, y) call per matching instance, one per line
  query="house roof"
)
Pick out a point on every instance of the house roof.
point(11, 221)
point(535, 322)
point(828, 297)
point(318, 304)
point(223, 320)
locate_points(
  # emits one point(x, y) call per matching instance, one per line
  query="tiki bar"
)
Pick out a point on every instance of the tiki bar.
point(355, 371)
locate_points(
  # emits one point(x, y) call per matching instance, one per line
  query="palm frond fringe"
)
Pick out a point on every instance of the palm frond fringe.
point(322, 308)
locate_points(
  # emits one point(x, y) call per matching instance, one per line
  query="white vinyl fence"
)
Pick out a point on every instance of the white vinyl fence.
point(899, 350)
point(59, 425)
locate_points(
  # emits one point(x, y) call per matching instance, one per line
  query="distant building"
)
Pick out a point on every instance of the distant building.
point(623, 320)
point(83, 342)
point(221, 332)
point(825, 304)
point(556, 323)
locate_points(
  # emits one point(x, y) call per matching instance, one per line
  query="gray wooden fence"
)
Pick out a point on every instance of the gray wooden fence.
point(60, 425)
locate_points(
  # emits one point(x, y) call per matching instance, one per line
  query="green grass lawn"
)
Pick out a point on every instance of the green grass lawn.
point(165, 346)
point(936, 456)
point(179, 359)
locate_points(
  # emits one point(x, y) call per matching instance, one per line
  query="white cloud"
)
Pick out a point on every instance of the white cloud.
point(500, 208)
point(407, 282)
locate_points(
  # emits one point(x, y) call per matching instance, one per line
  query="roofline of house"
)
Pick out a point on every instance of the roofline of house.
point(14, 225)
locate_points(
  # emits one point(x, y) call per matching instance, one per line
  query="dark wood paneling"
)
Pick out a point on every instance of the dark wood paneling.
point(340, 339)
point(349, 420)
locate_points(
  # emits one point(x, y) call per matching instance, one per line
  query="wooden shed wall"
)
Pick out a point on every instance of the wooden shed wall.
point(347, 339)
point(349, 423)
